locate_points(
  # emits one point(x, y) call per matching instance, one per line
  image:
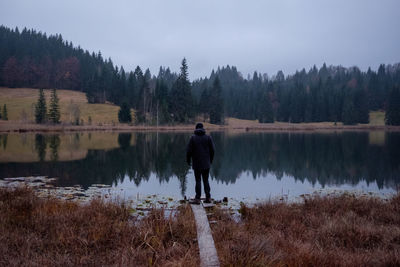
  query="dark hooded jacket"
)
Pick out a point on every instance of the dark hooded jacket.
point(201, 150)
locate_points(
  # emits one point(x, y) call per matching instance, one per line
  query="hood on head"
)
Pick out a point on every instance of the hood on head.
point(200, 131)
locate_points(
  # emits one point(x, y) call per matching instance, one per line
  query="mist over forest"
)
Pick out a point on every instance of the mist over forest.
point(30, 58)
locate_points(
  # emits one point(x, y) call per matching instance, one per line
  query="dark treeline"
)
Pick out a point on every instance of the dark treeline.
point(32, 59)
point(325, 94)
point(327, 159)
point(330, 93)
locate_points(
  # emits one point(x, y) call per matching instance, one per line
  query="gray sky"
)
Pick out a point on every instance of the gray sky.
point(266, 36)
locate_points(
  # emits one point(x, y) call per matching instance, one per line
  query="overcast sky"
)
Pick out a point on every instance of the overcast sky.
point(264, 35)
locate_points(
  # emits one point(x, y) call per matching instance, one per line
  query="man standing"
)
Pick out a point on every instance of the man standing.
point(201, 150)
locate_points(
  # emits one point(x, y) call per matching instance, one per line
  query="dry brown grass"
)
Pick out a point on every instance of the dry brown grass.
point(23, 100)
point(50, 232)
point(377, 118)
point(330, 231)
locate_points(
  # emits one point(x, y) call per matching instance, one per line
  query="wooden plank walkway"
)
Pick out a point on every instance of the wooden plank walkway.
point(208, 253)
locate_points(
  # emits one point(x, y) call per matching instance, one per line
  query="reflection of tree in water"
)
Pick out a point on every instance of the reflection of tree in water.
point(41, 142)
point(3, 140)
point(24, 139)
point(333, 158)
point(76, 141)
point(124, 140)
point(40, 146)
point(54, 144)
point(164, 157)
point(393, 145)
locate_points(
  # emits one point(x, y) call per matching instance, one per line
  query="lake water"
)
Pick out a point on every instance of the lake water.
point(247, 165)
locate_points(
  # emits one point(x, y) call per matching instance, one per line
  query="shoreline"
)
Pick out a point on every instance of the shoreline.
point(45, 187)
point(16, 127)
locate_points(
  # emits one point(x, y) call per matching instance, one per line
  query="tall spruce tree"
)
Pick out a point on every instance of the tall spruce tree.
point(40, 108)
point(161, 105)
point(54, 111)
point(141, 86)
point(124, 114)
point(216, 103)
point(392, 116)
point(204, 103)
point(266, 111)
point(181, 101)
point(361, 106)
point(349, 115)
point(4, 115)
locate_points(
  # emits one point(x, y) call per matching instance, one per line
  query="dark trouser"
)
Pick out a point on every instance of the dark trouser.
point(197, 175)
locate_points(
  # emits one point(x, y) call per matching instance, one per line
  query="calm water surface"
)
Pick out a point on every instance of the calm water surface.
point(247, 165)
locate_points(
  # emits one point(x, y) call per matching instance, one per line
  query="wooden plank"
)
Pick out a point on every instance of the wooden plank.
point(208, 205)
point(208, 253)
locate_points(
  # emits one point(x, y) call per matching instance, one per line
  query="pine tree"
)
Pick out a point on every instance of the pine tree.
point(161, 99)
point(4, 115)
point(266, 111)
point(204, 104)
point(361, 106)
point(349, 115)
point(392, 116)
point(216, 105)
point(54, 112)
point(124, 114)
point(41, 109)
point(297, 103)
point(181, 101)
point(141, 85)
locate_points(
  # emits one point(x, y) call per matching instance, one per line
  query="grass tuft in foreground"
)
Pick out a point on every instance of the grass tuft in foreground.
point(323, 231)
point(51, 232)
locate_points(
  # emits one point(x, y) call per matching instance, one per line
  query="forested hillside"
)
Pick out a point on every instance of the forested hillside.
point(330, 93)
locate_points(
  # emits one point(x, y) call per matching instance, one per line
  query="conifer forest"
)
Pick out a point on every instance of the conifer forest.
point(30, 58)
